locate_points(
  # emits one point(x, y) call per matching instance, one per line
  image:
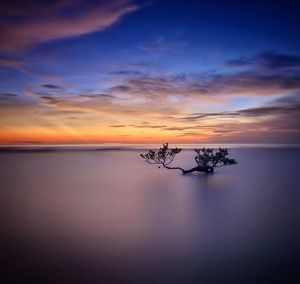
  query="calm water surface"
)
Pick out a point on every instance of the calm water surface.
point(107, 217)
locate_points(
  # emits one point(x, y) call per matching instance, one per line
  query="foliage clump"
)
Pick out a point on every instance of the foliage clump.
point(206, 158)
point(163, 156)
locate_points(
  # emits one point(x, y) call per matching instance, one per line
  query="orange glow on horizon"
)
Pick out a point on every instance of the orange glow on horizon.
point(21, 139)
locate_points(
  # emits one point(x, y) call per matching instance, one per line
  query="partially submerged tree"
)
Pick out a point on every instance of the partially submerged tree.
point(206, 159)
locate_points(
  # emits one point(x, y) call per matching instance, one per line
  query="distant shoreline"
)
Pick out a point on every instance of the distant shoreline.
point(132, 147)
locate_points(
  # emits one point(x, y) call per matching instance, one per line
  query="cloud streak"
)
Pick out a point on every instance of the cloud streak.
point(263, 74)
point(267, 60)
point(23, 66)
point(276, 121)
point(280, 107)
point(22, 28)
point(241, 83)
point(52, 87)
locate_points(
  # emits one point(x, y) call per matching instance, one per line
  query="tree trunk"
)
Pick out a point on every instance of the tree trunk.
point(174, 168)
point(199, 169)
point(195, 169)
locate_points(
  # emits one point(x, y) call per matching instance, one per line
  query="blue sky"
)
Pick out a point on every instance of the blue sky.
point(145, 64)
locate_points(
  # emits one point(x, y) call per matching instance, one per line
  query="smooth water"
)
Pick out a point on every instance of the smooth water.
point(108, 217)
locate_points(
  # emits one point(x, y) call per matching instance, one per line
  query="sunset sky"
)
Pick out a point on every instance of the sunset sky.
point(124, 71)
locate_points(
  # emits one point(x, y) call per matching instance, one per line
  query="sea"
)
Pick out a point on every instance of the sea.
point(101, 214)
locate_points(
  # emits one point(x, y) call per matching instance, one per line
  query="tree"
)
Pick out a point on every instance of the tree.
point(206, 159)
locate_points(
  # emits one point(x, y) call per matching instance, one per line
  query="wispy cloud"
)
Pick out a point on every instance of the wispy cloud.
point(22, 66)
point(22, 27)
point(265, 74)
point(276, 121)
point(267, 60)
point(8, 95)
point(52, 87)
point(163, 45)
point(101, 103)
point(118, 126)
point(127, 73)
point(10, 99)
point(278, 107)
point(13, 63)
point(240, 83)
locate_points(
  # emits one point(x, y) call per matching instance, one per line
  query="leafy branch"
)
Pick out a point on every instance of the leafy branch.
point(206, 159)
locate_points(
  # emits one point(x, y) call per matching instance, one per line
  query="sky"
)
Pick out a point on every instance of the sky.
point(122, 71)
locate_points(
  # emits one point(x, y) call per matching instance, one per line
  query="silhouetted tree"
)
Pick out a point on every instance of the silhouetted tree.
point(206, 159)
